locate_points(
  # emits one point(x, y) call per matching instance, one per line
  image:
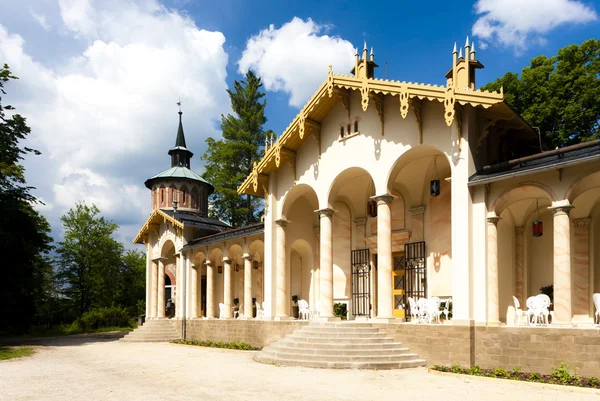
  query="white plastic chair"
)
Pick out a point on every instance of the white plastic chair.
point(596, 299)
point(303, 310)
point(317, 311)
point(519, 313)
point(545, 303)
point(236, 313)
point(433, 310)
point(422, 304)
point(260, 313)
point(446, 311)
point(414, 309)
point(221, 311)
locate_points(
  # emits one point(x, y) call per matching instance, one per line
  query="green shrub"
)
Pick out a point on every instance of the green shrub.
point(458, 369)
point(593, 382)
point(102, 317)
point(340, 310)
point(535, 377)
point(501, 373)
point(440, 368)
point(218, 344)
point(562, 374)
point(476, 371)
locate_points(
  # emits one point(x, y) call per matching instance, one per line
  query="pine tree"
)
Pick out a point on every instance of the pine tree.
point(230, 160)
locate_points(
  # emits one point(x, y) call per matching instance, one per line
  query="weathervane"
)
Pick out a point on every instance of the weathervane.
point(179, 104)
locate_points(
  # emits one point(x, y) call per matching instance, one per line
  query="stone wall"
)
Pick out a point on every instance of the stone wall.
point(257, 333)
point(533, 349)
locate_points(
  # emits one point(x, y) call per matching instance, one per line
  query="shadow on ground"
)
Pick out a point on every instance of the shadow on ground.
point(72, 340)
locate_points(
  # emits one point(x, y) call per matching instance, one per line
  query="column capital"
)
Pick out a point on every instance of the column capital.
point(519, 230)
point(582, 222)
point(561, 209)
point(247, 256)
point(493, 220)
point(225, 259)
point(282, 223)
point(208, 262)
point(360, 221)
point(417, 211)
point(325, 212)
point(385, 198)
point(161, 259)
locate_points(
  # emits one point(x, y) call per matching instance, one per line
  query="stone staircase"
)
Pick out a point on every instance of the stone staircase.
point(154, 330)
point(339, 346)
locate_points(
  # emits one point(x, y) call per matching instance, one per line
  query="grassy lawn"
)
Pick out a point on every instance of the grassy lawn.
point(14, 352)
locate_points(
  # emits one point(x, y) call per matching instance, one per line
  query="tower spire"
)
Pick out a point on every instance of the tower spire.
point(180, 141)
point(180, 155)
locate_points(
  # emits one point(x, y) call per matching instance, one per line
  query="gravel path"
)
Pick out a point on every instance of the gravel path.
point(110, 370)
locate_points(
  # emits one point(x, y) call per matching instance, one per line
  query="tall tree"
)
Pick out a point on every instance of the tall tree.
point(89, 258)
point(24, 233)
point(230, 160)
point(560, 95)
point(131, 286)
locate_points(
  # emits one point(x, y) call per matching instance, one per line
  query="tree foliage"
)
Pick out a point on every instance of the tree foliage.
point(89, 259)
point(560, 95)
point(24, 233)
point(230, 160)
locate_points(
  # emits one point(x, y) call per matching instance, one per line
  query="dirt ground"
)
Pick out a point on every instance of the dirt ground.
point(104, 369)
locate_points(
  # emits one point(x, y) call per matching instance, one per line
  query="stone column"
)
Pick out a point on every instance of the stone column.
point(154, 290)
point(384, 257)
point(519, 263)
point(160, 302)
point(581, 272)
point(493, 318)
point(148, 280)
point(178, 286)
point(193, 290)
point(247, 287)
point(562, 265)
point(227, 287)
point(210, 299)
point(280, 270)
point(316, 266)
point(326, 264)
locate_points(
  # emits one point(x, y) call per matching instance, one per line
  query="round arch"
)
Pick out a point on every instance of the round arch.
point(583, 183)
point(298, 191)
point(519, 192)
point(355, 196)
point(166, 246)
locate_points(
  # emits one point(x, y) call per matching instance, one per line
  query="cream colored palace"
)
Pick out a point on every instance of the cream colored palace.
point(379, 190)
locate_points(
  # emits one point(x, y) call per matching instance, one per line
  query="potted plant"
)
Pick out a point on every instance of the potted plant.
point(236, 301)
point(295, 306)
point(340, 309)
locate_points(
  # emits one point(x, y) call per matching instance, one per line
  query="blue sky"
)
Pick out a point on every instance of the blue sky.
point(100, 79)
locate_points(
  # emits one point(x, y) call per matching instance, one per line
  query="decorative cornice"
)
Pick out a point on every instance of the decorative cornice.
point(325, 212)
point(585, 222)
point(417, 211)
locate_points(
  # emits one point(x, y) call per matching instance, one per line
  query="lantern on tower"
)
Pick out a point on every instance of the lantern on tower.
point(220, 269)
point(236, 267)
point(255, 265)
point(434, 184)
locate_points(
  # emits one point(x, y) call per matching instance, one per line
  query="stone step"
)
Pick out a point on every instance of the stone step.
point(343, 325)
point(335, 330)
point(153, 331)
point(339, 334)
point(338, 345)
point(341, 365)
point(338, 358)
point(297, 337)
point(276, 347)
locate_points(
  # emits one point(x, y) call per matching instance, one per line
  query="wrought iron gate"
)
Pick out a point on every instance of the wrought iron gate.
point(416, 270)
point(361, 282)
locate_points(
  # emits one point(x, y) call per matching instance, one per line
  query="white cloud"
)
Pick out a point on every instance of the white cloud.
point(520, 23)
point(41, 20)
point(295, 58)
point(105, 118)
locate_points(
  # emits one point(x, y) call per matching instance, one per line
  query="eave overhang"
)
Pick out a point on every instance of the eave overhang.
point(335, 89)
point(156, 218)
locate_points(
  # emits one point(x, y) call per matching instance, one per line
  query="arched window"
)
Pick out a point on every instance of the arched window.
point(162, 196)
point(184, 197)
point(356, 126)
point(341, 132)
point(194, 198)
point(348, 130)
